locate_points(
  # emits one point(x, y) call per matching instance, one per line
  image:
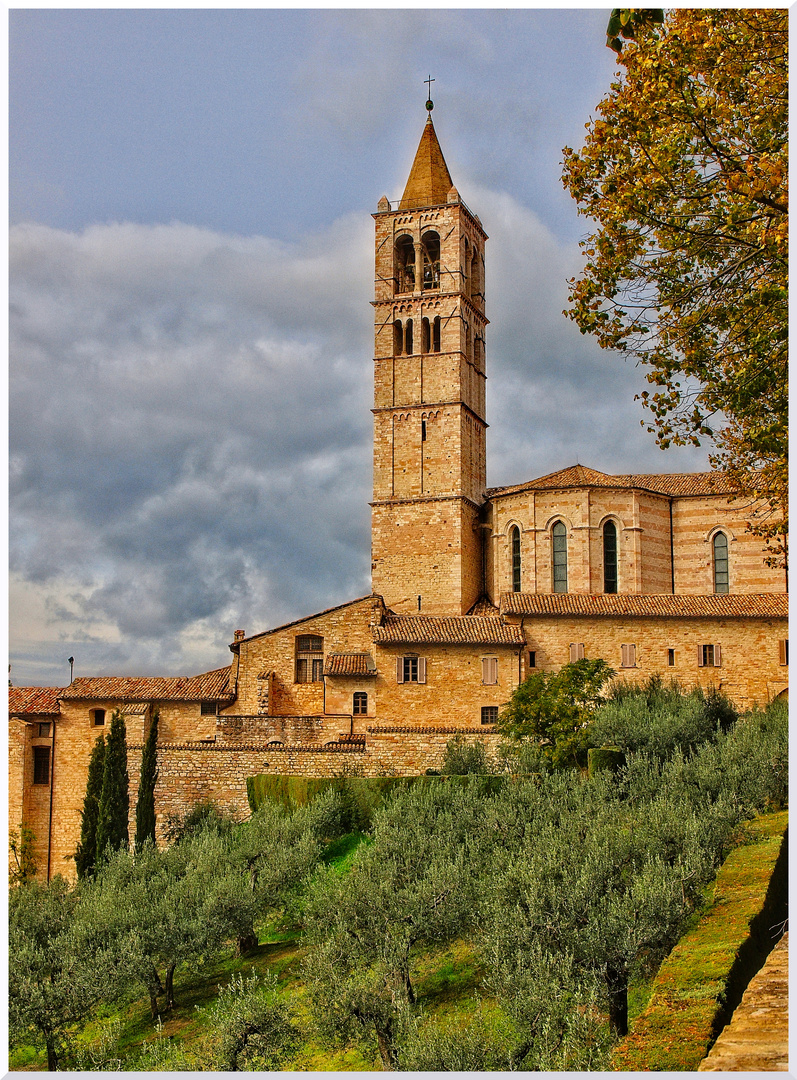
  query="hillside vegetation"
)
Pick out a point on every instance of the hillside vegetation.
point(458, 923)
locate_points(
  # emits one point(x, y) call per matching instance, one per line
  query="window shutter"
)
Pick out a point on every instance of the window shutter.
point(700, 656)
point(399, 669)
point(576, 652)
point(717, 656)
point(494, 669)
point(421, 669)
point(489, 670)
point(784, 651)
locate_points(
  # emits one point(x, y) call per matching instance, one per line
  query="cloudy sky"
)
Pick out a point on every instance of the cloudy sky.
point(191, 333)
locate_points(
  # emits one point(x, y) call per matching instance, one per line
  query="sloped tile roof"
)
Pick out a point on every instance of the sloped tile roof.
point(349, 664)
point(578, 476)
point(483, 606)
point(442, 630)
point(33, 700)
point(429, 181)
point(760, 606)
point(211, 686)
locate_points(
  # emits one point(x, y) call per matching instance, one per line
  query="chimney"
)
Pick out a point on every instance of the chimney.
point(240, 635)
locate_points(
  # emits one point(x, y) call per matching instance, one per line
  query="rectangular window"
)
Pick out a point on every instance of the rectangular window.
point(576, 652)
point(489, 714)
point(671, 657)
point(44, 731)
point(208, 708)
point(410, 669)
point(41, 764)
point(489, 670)
point(360, 704)
point(709, 656)
point(784, 652)
point(628, 656)
point(532, 658)
point(99, 717)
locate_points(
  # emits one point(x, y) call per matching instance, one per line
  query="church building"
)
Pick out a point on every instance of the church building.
point(472, 588)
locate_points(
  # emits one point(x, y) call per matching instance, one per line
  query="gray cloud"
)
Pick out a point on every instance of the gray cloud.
point(191, 434)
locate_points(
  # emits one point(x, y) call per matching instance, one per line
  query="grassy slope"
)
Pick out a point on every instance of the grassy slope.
point(448, 979)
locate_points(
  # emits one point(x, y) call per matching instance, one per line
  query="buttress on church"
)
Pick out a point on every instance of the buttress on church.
point(472, 587)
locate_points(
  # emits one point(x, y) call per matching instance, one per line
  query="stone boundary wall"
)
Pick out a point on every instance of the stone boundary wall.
point(192, 773)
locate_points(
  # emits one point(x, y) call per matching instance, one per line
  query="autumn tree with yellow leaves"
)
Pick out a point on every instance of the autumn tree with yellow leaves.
point(684, 173)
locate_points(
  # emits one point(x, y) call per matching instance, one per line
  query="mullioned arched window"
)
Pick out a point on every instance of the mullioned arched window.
point(559, 557)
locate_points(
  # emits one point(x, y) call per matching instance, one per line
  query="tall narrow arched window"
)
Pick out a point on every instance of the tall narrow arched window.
point(721, 581)
point(610, 557)
point(559, 546)
point(436, 334)
point(398, 337)
point(405, 264)
point(515, 539)
point(426, 337)
point(408, 338)
point(431, 260)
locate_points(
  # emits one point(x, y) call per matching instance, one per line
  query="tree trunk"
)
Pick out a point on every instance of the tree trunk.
point(154, 987)
point(52, 1055)
point(246, 942)
point(169, 987)
point(408, 986)
point(387, 1052)
point(617, 985)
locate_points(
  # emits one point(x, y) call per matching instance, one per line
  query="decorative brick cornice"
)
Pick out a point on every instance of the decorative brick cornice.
point(262, 748)
point(407, 729)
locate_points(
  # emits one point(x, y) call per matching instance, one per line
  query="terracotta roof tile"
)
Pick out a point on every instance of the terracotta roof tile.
point(577, 476)
point(211, 686)
point(34, 700)
point(441, 630)
point(761, 606)
point(349, 664)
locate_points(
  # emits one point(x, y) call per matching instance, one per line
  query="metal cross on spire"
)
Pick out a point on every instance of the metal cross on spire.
point(429, 102)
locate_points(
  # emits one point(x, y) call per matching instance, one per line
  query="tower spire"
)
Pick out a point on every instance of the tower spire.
point(430, 181)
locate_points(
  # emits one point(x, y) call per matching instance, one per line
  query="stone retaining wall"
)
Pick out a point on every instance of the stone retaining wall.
point(192, 773)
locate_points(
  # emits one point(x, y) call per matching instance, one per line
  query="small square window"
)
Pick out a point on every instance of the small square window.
point(43, 731)
point(41, 764)
point(98, 716)
point(489, 714)
point(208, 708)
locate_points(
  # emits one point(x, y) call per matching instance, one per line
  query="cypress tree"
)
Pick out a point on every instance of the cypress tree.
point(145, 805)
point(86, 854)
point(115, 798)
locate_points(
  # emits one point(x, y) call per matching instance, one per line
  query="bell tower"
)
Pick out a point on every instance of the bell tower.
point(429, 393)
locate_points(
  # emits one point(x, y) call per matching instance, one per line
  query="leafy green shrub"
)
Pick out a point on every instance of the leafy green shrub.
point(463, 757)
point(249, 1028)
point(659, 720)
point(202, 817)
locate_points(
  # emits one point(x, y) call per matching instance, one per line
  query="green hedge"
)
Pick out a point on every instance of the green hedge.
point(361, 794)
